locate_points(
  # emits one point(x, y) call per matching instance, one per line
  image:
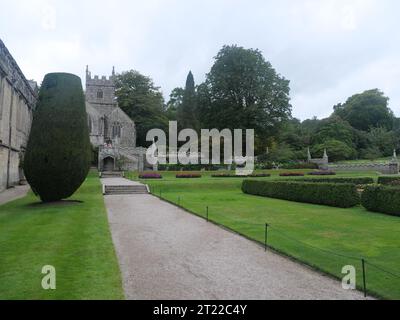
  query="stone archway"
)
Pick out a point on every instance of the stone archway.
point(108, 164)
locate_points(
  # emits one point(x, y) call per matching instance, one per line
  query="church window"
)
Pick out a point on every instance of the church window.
point(116, 131)
point(100, 94)
point(90, 124)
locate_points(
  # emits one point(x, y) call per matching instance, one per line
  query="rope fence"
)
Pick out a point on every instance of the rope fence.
point(382, 276)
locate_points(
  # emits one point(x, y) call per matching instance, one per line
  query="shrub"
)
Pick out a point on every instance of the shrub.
point(291, 174)
point(151, 175)
point(356, 181)
point(58, 154)
point(388, 180)
point(331, 194)
point(322, 173)
point(384, 199)
point(188, 175)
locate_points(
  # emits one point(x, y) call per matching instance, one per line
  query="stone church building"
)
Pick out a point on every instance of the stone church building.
point(17, 101)
point(111, 130)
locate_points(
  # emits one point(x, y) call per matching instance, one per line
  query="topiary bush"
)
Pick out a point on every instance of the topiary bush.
point(388, 180)
point(331, 194)
point(58, 153)
point(384, 199)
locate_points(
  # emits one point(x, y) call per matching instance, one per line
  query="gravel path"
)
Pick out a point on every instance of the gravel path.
point(13, 193)
point(167, 253)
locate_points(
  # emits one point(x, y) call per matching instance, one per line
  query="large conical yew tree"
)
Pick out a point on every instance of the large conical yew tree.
point(58, 155)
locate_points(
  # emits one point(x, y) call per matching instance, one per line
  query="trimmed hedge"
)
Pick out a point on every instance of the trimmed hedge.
point(388, 180)
point(58, 154)
point(330, 194)
point(384, 199)
point(356, 181)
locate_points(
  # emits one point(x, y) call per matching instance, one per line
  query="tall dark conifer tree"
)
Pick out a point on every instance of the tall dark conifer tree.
point(187, 111)
point(58, 154)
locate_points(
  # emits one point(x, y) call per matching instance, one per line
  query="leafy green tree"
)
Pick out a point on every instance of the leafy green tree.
point(175, 101)
point(243, 91)
point(143, 103)
point(58, 154)
point(366, 110)
point(337, 150)
point(383, 140)
point(334, 128)
point(187, 110)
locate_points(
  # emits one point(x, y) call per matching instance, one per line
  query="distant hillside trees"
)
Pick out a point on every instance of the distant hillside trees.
point(364, 127)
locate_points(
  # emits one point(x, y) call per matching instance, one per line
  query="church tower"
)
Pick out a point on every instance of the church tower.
point(100, 92)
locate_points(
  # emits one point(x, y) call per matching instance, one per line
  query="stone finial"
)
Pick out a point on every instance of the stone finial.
point(88, 75)
point(325, 154)
point(308, 154)
point(394, 158)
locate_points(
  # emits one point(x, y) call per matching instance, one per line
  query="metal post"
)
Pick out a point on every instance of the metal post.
point(179, 201)
point(364, 277)
point(266, 237)
point(207, 213)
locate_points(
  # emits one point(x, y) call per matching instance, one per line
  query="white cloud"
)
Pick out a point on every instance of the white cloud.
point(328, 49)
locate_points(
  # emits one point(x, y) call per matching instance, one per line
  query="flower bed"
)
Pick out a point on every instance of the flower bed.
point(227, 175)
point(291, 174)
point(322, 173)
point(259, 175)
point(188, 175)
point(150, 176)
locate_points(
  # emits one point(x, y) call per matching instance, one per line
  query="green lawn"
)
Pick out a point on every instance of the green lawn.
point(325, 237)
point(73, 237)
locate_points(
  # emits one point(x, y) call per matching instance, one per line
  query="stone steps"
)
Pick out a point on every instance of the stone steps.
point(125, 189)
point(111, 174)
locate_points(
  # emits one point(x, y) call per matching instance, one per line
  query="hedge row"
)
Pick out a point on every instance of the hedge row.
point(388, 180)
point(331, 194)
point(356, 181)
point(384, 199)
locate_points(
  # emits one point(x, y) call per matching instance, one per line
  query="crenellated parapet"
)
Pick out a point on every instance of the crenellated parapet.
point(13, 74)
point(100, 80)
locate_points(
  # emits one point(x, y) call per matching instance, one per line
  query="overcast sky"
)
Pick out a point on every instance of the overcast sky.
point(328, 49)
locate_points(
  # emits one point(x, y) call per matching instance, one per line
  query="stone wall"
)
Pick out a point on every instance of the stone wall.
point(384, 168)
point(17, 102)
